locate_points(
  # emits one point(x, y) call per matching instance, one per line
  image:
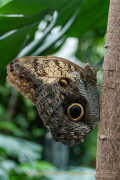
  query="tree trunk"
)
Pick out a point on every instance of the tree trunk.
point(108, 143)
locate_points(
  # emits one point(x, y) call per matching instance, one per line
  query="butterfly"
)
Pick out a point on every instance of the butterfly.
point(65, 95)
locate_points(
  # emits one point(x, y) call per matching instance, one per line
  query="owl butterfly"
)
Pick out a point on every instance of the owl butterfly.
point(64, 94)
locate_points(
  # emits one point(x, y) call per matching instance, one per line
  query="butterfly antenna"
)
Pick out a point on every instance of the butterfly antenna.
point(86, 50)
point(103, 69)
point(98, 66)
point(98, 87)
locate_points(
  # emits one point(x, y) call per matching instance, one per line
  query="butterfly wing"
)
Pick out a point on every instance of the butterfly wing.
point(65, 94)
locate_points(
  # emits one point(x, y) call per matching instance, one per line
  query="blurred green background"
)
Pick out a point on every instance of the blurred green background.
point(74, 30)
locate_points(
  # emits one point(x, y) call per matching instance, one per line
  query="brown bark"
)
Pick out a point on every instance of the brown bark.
point(108, 143)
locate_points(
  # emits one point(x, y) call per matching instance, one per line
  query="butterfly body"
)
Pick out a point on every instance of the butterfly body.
point(65, 94)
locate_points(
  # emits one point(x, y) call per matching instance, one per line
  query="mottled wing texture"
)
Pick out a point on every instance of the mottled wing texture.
point(37, 78)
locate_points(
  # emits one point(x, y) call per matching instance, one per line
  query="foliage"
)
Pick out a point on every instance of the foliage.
point(22, 133)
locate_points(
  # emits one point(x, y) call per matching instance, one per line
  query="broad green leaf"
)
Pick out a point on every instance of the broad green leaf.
point(36, 43)
point(30, 7)
point(3, 2)
point(10, 23)
point(93, 15)
point(56, 38)
point(9, 46)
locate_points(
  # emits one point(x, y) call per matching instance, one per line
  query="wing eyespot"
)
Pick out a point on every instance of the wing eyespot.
point(12, 69)
point(62, 96)
point(22, 76)
point(75, 112)
point(65, 81)
point(11, 63)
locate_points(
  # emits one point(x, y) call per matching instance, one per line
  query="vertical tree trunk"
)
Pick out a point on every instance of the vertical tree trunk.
point(108, 143)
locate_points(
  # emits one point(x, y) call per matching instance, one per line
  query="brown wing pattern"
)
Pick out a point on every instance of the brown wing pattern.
point(53, 84)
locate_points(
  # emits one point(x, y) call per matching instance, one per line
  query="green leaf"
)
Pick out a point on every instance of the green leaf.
point(23, 150)
point(9, 46)
point(8, 164)
point(10, 23)
point(93, 15)
point(30, 7)
point(38, 132)
point(3, 2)
point(56, 38)
point(36, 43)
point(8, 125)
point(2, 110)
point(3, 174)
